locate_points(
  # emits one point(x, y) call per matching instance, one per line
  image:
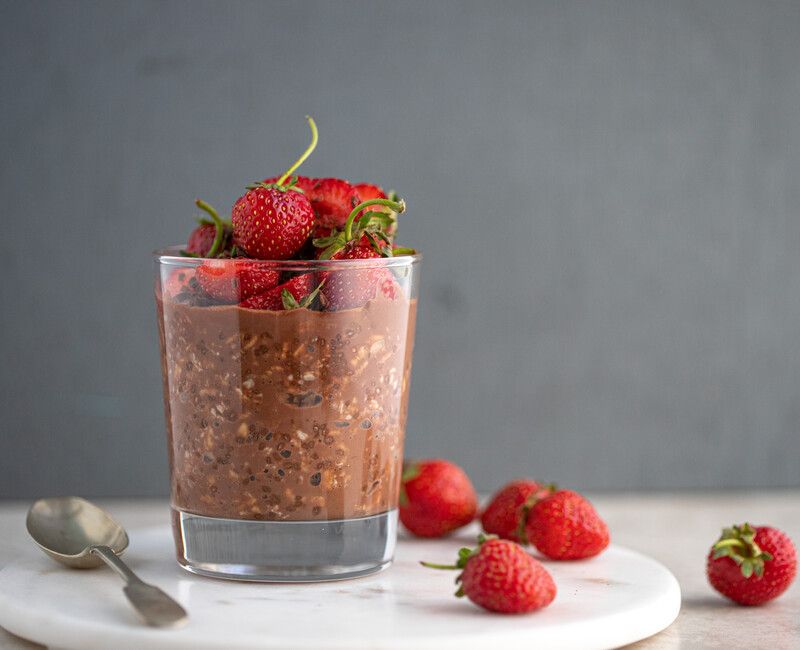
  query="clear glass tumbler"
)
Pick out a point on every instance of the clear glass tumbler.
point(285, 427)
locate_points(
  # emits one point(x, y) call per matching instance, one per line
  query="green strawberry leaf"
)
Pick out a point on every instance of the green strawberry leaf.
point(306, 302)
point(288, 300)
point(404, 251)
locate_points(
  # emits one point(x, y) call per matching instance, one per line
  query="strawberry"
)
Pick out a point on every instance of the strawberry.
point(353, 287)
point(201, 239)
point(367, 191)
point(297, 292)
point(211, 237)
point(500, 576)
point(507, 512)
point(751, 565)
point(323, 234)
point(332, 200)
point(232, 280)
point(565, 526)
point(180, 283)
point(273, 220)
point(436, 497)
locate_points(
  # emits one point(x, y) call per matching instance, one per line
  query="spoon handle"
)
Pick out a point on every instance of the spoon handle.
point(153, 605)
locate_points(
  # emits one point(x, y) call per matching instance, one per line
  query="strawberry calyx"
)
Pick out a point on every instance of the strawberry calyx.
point(372, 223)
point(525, 510)
point(739, 544)
point(290, 302)
point(465, 554)
point(290, 185)
point(396, 206)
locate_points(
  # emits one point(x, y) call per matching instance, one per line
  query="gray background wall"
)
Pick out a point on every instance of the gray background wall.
point(606, 194)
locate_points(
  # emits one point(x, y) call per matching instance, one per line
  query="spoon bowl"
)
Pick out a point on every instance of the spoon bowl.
point(67, 527)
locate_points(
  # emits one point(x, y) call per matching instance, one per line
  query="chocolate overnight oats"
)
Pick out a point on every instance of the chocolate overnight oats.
point(286, 415)
point(286, 337)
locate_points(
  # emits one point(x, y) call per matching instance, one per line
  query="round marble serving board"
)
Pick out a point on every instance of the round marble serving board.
point(615, 599)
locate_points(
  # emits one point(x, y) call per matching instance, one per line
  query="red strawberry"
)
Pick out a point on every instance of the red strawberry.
point(507, 512)
point(271, 222)
point(201, 239)
point(565, 526)
point(332, 199)
point(501, 577)
point(232, 280)
point(179, 283)
point(436, 497)
point(299, 289)
point(323, 233)
point(211, 237)
point(354, 287)
point(751, 565)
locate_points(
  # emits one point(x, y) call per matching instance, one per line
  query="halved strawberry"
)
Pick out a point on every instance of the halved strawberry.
point(297, 292)
point(332, 199)
point(232, 280)
point(367, 191)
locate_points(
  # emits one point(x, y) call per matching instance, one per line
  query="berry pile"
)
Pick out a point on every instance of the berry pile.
point(437, 497)
point(291, 217)
point(751, 565)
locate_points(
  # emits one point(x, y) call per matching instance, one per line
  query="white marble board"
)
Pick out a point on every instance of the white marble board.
point(615, 599)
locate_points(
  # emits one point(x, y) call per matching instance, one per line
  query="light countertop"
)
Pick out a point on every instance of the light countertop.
point(675, 528)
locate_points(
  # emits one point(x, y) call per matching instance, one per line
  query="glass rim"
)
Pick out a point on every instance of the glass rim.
point(171, 256)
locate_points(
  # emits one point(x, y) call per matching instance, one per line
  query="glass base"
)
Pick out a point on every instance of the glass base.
point(284, 551)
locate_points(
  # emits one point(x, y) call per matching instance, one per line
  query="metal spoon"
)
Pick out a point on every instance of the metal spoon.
point(77, 533)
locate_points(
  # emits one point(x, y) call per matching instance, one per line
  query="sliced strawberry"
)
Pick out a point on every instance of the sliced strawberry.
point(368, 191)
point(232, 280)
point(299, 288)
point(332, 199)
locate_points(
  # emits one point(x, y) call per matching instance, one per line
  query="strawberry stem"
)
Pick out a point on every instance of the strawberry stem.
point(217, 243)
point(397, 206)
point(305, 154)
point(431, 565)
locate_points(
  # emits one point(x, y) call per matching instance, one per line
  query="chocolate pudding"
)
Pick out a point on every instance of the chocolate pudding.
point(286, 415)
